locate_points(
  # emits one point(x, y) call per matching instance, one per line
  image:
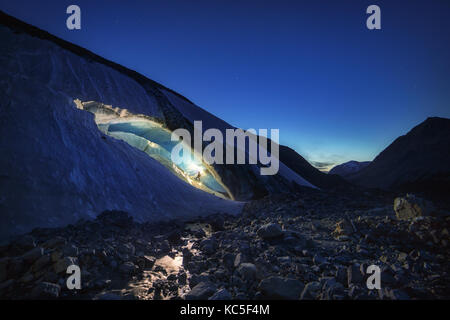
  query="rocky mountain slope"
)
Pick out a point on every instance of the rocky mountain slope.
point(418, 161)
point(299, 164)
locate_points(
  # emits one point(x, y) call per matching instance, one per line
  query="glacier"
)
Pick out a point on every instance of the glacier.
point(56, 165)
point(61, 163)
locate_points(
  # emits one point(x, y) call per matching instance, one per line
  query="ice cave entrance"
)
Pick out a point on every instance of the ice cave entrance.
point(154, 139)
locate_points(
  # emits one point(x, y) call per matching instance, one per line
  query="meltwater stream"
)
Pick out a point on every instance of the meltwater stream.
point(155, 140)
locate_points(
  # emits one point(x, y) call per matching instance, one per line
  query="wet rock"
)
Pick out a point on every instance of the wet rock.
point(221, 294)
point(45, 290)
point(270, 231)
point(281, 288)
point(201, 291)
point(410, 207)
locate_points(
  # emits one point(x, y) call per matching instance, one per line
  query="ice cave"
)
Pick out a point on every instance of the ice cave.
point(151, 137)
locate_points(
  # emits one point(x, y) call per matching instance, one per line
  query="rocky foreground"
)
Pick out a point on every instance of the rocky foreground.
point(311, 245)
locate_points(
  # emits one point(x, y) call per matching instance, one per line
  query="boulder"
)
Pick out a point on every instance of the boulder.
point(208, 246)
point(247, 271)
point(198, 278)
point(221, 294)
point(201, 291)
point(270, 231)
point(410, 207)
point(281, 288)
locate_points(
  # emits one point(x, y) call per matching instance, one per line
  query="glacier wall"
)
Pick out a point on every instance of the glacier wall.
point(56, 166)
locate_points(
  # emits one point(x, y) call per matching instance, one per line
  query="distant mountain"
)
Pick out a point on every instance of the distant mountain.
point(302, 167)
point(347, 168)
point(417, 162)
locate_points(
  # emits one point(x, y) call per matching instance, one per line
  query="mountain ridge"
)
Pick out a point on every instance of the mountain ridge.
point(412, 161)
point(349, 167)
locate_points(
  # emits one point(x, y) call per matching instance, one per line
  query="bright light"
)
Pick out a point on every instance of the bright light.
point(194, 167)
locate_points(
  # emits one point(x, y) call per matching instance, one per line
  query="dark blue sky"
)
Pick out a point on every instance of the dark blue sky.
point(336, 90)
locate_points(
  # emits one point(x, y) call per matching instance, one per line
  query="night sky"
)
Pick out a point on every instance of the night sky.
point(336, 90)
